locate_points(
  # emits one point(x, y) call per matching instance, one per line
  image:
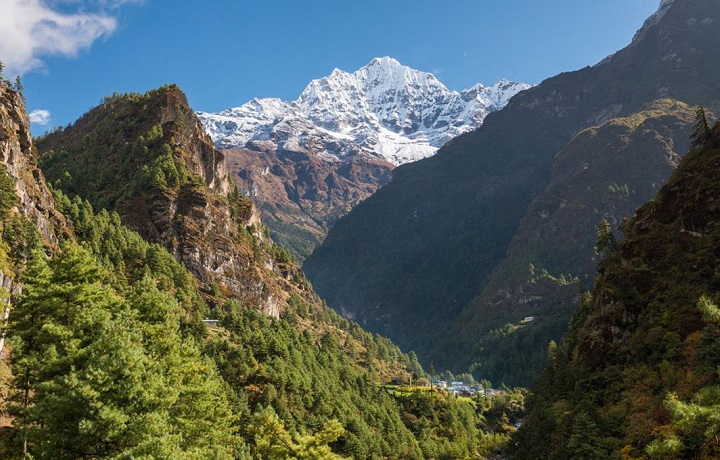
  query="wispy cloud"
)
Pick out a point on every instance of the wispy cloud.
point(40, 117)
point(119, 3)
point(33, 29)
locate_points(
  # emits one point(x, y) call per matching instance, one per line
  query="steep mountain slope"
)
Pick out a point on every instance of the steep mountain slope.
point(297, 380)
point(409, 259)
point(308, 162)
point(605, 172)
point(637, 375)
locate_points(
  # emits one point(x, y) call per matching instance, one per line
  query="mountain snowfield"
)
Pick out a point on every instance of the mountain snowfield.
point(385, 109)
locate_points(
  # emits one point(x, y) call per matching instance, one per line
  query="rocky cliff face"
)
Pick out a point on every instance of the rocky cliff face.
point(33, 210)
point(409, 259)
point(148, 157)
point(16, 156)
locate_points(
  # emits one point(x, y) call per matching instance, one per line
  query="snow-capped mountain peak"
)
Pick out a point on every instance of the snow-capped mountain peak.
point(384, 109)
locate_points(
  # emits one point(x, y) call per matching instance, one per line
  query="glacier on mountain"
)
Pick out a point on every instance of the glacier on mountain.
point(384, 109)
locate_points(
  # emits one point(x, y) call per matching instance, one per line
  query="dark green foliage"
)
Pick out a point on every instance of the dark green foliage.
point(129, 258)
point(8, 198)
point(21, 236)
point(515, 353)
point(585, 442)
point(18, 86)
point(446, 427)
point(101, 373)
point(695, 427)
point(125, 161)
point(641, 356)
point(17, 235)
point(701, 133)
point(311, 378)
point(502, 410)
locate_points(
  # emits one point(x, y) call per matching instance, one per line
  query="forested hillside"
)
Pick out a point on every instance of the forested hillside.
point(637, 375)
point(109, 356)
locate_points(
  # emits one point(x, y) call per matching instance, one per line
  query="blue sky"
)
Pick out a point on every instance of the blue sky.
point(223, 53)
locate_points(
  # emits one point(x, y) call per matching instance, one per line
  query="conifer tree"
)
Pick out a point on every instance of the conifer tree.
point(701, 133)
point(605, 242)
point(8, 197)
point(27, 320)
point(585, 442)
point(486, 385)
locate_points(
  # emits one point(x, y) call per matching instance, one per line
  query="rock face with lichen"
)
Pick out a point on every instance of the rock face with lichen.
point(16, 156)
point(148, 158)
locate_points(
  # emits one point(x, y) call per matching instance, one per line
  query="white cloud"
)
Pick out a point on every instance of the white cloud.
point(40, 117)
point(32, 29)
point(119, 3)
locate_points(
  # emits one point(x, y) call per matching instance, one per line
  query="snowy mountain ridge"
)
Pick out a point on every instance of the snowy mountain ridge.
point(384, 109)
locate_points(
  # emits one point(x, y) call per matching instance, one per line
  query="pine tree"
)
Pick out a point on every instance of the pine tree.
point(585, 442)
point(605, 242)
point(8, 197)
point(710, 311)
point(701, 133)
point(26, 321)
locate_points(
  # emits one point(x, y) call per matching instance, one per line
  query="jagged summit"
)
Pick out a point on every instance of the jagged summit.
point(384, 109)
